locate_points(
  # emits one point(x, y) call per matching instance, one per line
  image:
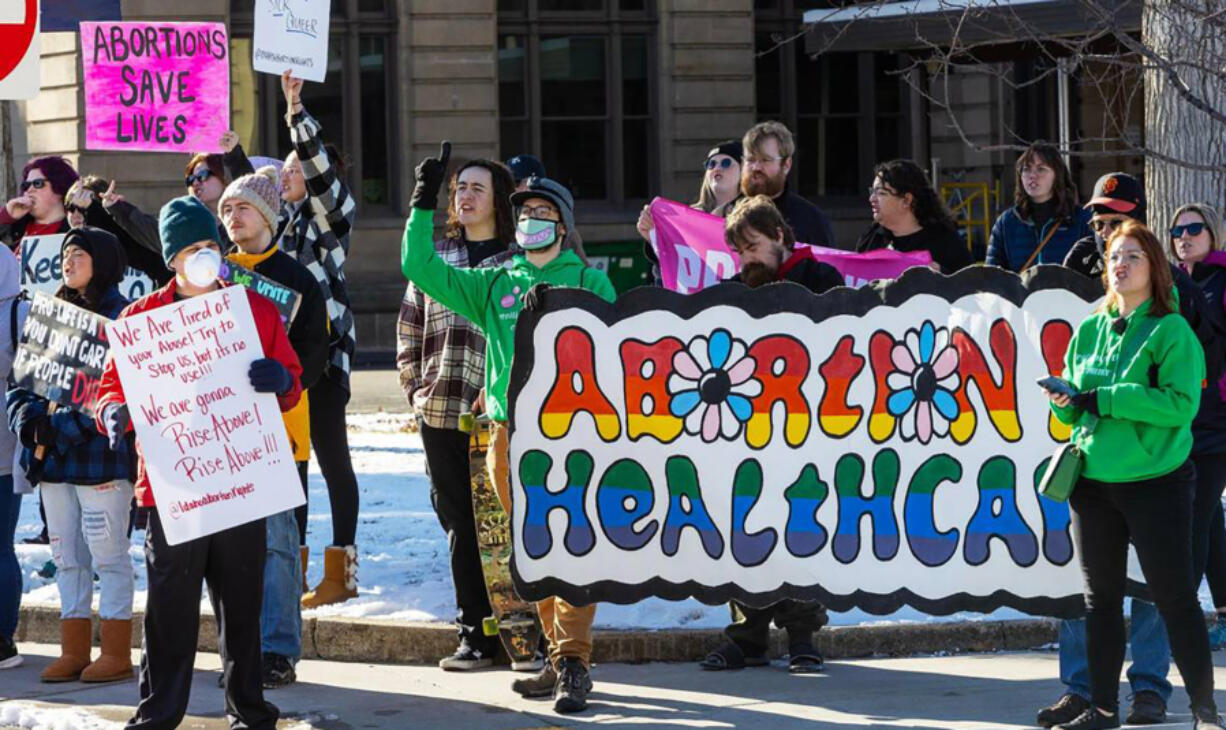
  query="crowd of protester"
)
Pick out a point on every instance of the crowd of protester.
point(1136, 368)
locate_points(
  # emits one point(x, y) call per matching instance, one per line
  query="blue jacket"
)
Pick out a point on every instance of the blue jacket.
point(80, 455)
point(1013, 239)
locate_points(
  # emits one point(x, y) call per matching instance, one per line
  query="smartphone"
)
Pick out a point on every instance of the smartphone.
point(1057, 385)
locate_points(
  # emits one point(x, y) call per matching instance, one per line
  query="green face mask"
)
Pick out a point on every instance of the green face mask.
point(533, 234)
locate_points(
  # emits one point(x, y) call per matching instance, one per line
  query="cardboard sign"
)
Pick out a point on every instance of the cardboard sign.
point(62, 350)
point(19, 49)
point(867, 448)
point(285, 298)
point(40, 269)
point(156, 87)
point(291, 34)
point(216, 451)
point(693, 254)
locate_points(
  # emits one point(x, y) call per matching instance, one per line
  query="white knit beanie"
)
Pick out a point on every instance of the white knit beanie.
point(260, 190)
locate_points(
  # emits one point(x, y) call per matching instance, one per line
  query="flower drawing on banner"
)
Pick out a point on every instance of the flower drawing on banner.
point(923, 382)
point(711, 385)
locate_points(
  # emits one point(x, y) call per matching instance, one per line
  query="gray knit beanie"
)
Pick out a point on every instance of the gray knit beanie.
point(260, 190)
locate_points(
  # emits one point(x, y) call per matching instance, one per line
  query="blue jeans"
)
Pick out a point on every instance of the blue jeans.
point(281, 612)
point(10, 571)
point(1151, 653)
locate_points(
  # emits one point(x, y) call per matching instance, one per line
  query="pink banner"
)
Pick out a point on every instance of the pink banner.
point(156, 87)
point(693, 255)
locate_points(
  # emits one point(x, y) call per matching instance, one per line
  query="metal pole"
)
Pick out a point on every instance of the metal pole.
point(1066, 136)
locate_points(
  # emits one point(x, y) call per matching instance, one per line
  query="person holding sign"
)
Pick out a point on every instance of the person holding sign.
point(39, 210)
point(492, 298)
point(231, 562)
point(249, 211)
point(319, 214)
point(86, 485)
point(84, 207)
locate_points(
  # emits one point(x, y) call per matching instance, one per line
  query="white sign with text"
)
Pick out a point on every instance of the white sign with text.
point(40, 269)
point(291, 34)
point(215, 450)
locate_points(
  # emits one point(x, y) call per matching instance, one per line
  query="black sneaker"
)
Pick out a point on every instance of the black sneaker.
point(465, 659)
point(1092, 719)
point(39, 539)
point(9, 657)
point(1148, 708)
point(540, 684)
point(574, 683)
point(1066, 709)
point(278, 671)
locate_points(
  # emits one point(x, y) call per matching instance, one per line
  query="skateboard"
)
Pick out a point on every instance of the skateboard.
point(514, 621)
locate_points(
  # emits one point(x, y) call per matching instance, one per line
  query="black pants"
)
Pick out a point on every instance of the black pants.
point(451, 493)
point(331, 444)
point(231, 562)
point(1156, 514)
point(300, 513)
point(750, 627)
point(1206, 510)
point(1215, 567)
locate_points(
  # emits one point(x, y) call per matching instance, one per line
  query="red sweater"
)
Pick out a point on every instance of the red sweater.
point(273, 339)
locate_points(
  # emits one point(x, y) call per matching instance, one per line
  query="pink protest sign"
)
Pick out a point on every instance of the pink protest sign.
point(156, 87)
point(693, 255)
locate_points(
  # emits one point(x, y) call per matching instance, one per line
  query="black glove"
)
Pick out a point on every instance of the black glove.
point(430, 174)
point(1087, 401)
point(37, 431)
point(269, 376)
point(116, 419)
point(535, 298)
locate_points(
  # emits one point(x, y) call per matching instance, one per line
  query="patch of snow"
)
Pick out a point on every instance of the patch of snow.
point(43, 717)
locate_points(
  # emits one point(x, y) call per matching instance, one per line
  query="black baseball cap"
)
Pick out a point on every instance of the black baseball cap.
point(1119, 192)
point(730, 147)
point(525, 166)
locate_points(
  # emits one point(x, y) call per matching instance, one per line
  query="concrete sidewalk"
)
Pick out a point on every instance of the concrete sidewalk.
point(927, 693)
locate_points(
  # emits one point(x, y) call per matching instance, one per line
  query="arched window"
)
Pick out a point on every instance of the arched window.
point(355, 103)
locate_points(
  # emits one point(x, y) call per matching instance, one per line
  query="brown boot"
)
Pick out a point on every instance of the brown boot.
point(115, 662)
point(305, 553)
point(340, 581)
point(74, 651)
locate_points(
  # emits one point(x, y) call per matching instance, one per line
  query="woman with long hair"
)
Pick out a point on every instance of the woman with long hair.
point(1136, 368)
point(908, 215)
point(1045, 219)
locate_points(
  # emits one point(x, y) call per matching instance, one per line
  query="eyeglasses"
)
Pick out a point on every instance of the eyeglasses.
point(723, 164)
point(37, 183)
point(761, 161)
point(880, 192)
point(1192, 229)
point(199, 176)
point(1101, 224)
point(539, 212)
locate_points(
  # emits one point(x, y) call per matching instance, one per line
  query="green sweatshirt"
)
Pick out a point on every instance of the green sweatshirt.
point(490, 298)
point(1144, 431)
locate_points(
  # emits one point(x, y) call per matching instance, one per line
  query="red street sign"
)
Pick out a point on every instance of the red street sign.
point(15, 39)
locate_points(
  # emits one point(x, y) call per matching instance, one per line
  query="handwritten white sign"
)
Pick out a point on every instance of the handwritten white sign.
point(40, 269)
point(216, 451)
point(291, 34)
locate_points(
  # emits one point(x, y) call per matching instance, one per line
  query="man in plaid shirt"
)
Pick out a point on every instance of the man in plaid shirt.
point(441, 358)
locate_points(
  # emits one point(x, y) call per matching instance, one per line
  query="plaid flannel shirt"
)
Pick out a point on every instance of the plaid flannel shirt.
point(441, 355)
point(316, 232)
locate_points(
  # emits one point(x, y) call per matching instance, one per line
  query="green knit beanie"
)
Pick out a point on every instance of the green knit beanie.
point(185, 221)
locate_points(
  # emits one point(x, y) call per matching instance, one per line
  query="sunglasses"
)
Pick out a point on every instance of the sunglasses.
point(196, 177)
point(723, 164)
point(74, 209)
point(37, 184)
point(1193, 229)
point(1101, 224)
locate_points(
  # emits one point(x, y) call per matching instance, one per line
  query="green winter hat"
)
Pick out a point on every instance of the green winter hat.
point(185, 221)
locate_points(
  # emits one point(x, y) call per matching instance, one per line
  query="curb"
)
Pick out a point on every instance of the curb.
point(401, 642)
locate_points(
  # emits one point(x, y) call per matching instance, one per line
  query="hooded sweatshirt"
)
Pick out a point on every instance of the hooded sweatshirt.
point(490, 298)
point(10, 291)
point(1146, 403)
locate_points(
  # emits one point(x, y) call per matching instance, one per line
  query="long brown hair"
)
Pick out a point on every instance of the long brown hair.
point(1161, 282)
point(504, 214)
point(1063, 191)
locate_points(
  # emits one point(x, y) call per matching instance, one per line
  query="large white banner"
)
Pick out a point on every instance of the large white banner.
point(216, 451)
point(870, 447)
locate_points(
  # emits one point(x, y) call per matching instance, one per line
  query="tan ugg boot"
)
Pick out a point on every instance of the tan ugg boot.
point(305, 553)
point(115, 662)
point(340, 581)
point(74, 651)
